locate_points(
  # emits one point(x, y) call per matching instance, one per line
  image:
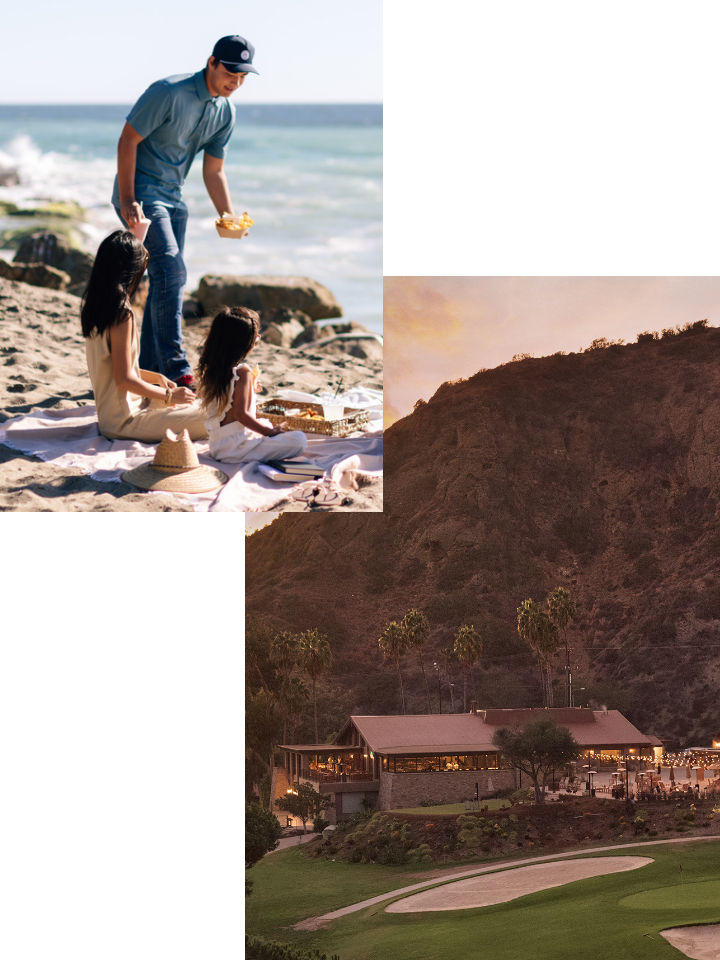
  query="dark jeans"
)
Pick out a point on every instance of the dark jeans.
point(161, 349)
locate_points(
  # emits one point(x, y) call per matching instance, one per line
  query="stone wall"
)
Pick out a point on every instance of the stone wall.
point(398, 790)
point(367, 789)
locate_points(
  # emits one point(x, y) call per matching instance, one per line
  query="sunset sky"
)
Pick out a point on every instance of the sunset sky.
point(443, 328)
point(254, 521)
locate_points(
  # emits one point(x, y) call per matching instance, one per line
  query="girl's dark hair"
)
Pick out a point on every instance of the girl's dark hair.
point(232, 336)
point(119, 265)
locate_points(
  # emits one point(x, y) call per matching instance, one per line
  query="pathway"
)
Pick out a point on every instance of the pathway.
point(315, 922)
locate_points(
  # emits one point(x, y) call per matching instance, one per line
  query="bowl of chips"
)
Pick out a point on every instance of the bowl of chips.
point(233, 227)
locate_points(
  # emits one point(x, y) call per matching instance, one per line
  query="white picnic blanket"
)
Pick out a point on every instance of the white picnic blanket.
point(70, 438)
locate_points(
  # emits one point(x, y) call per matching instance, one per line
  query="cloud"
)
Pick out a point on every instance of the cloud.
point(443, 328)
point(416, 311)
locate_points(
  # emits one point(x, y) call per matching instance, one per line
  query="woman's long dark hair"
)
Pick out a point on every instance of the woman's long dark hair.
point(119, 265)
point(232, 336)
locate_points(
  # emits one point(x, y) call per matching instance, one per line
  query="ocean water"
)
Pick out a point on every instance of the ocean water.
point(309, 175)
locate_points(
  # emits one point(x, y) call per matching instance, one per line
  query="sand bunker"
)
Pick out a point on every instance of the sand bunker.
point(700, 943)
point(493, 888)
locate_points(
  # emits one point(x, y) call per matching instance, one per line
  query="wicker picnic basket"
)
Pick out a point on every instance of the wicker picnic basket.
point(274, 409)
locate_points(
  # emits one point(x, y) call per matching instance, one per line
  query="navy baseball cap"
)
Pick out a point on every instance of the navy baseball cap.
point(235, 54)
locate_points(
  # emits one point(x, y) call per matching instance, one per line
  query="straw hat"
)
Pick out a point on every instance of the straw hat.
point(176, 469)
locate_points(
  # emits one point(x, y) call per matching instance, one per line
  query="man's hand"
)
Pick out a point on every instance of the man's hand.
point(130, 211)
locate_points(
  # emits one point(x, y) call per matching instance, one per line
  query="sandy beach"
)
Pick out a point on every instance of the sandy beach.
point(42, 366)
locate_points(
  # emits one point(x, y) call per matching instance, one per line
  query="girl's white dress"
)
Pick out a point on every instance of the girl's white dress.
point(235, 443)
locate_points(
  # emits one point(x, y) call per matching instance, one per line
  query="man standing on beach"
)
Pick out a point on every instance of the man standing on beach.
point(171, 122)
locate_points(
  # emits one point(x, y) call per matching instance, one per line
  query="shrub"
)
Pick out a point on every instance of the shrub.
point(393, 854)
point(319, 824)
point(421, 854)
point(641, 818)
point(256, 948)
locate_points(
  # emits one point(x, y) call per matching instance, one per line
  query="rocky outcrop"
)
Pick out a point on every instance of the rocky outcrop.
point(266, 294)
point(36, 274)
point(55, 251)
point(598, 472)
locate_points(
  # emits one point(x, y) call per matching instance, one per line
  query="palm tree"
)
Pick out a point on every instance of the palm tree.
point(562, 609)
point(394, 645)
point(468, 649)
point(548, 642)
point(448, 657)
point(284, 651)
point(538, 630)
point(315, 657)
point(417, 630)
point(292, 697)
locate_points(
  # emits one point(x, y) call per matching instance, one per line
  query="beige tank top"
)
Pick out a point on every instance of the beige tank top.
point(115, 407)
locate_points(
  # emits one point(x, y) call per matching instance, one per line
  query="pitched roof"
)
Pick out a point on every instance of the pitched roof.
point(561, 715)
point(426, 733)
point(471, 733)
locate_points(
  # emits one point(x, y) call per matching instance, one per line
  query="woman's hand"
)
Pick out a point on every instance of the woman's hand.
point(257, 385)
point(180, 395)
point(276, 430)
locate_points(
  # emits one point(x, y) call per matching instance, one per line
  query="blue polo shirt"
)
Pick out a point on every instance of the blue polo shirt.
point(176, 117)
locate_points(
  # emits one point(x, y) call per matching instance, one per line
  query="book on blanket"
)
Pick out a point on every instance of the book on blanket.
point(285, 476)
point(303, 466)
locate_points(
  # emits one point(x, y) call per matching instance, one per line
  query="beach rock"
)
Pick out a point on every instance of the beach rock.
point(192, 310)
point(9, 177)
point(56, 251)
point(284, 315)
point(36, 274)
point(65, 209)
point(312, 333)
point(265, 294)
point(282, 334)
point(365, 348)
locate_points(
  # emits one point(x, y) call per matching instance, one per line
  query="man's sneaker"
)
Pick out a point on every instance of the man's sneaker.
point(187, 381)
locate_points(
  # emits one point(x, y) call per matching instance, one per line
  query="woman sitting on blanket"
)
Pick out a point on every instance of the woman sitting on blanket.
point(132, 404)
point(227, 388)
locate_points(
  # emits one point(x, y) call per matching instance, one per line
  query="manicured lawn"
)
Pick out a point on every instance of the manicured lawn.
point(619, 915)
point(456, 808)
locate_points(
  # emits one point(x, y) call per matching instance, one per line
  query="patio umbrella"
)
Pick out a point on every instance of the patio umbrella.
point(700, 773)
point(490, 785)
point(672, 774)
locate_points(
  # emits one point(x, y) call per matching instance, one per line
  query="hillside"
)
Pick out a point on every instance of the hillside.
point(598, 472)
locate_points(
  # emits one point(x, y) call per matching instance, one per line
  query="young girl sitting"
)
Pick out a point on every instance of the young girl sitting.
point(227, 391)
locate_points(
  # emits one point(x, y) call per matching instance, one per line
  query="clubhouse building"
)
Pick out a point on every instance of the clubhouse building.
point(398, 761)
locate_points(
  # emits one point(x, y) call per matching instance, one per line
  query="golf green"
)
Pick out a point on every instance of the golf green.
point(617, 915)
point(684, 896)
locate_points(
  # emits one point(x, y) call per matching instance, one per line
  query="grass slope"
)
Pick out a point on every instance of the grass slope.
point(619, 915)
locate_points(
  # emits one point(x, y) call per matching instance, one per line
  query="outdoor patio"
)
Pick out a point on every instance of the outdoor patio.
point(672, 781)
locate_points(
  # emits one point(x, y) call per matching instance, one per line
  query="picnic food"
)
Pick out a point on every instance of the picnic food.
point(228, 222)
point(255, 373)
point(309, 414)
